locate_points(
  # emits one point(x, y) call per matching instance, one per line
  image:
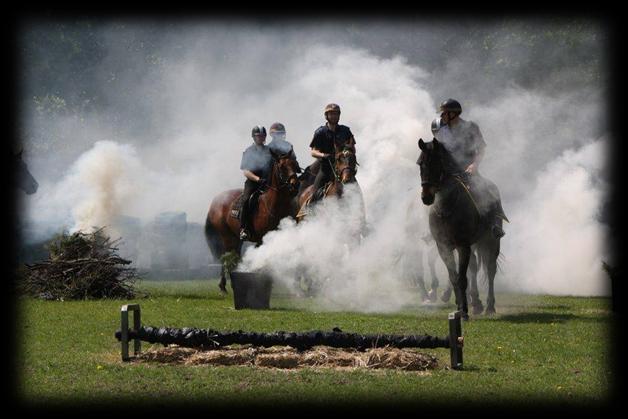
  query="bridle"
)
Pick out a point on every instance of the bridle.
point(338, 175)
point(441, 175)
point(284, 182)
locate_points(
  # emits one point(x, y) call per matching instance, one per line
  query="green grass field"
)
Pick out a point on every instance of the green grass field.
point(537, 349)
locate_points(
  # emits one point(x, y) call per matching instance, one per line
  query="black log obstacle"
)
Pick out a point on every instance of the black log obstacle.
point(212, 339)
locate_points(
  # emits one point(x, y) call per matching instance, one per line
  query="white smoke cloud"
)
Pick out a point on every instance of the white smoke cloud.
point(201, 103)
point(557, 245)
point(94, 190)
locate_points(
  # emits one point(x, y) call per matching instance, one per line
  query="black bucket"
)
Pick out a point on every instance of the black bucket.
point(251, 290)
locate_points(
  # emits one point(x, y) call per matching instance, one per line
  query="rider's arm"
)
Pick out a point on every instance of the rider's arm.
point(479, 155)
point(351, 144)
point(318, 154)
point(251, 176)
point(480, 147)
point(317, 141)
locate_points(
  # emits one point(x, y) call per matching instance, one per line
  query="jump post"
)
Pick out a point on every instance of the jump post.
point(197, 337)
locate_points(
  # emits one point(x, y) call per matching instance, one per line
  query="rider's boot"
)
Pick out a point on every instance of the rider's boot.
point(317, 195)
point(244, 232)
point(497, 217)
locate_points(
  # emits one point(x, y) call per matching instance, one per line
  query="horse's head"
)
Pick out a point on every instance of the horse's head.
point(432, 165)
point(346, 165)
point(26, 181)
point(287, 172)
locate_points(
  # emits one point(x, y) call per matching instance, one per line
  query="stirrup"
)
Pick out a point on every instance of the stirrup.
point(243, 235)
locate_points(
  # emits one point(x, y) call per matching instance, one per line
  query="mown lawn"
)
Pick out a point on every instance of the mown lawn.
point(536, 350)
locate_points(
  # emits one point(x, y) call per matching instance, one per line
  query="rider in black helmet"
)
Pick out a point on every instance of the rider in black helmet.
point(465, 142)
point(256, 166)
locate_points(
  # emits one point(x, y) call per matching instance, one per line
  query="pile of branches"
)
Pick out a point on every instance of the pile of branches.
point(81, 266)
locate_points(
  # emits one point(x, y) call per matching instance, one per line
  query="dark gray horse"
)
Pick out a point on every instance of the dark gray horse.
point(25, 180)
point(458, 221)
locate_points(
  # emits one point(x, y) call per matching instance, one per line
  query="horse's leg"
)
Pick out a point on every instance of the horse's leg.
point(448, 291)
point(412, 270)
point(223, 280)
point(491, 268)
point(418, 278)
point(476, 303)
point(431, 261)
point(447, 255)
point(460, 286)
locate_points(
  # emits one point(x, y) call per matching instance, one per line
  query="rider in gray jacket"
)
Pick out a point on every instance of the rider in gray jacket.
point(464, 141)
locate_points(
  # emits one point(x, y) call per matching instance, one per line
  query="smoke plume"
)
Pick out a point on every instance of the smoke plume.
point(190, 114)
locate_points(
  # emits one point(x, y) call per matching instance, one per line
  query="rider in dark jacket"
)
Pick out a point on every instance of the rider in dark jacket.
point(326, 139)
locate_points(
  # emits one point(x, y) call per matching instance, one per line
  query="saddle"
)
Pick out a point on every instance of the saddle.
point(236, 207)
point(309, 174)
point(484, 195)
point(305, 208)
point(320, 192)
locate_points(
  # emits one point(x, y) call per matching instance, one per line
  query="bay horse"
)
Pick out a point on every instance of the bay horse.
point(456, 223)
point(344, 171)
point(222, 230)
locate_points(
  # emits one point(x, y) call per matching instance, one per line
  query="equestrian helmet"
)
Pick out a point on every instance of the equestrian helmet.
point(450, 105)
point(258, 129)
point(277, 127)
point(332, 107)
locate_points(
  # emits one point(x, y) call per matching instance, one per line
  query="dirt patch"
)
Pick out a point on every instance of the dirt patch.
point(286, 357)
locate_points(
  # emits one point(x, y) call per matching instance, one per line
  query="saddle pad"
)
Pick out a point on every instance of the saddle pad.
point(236, 207)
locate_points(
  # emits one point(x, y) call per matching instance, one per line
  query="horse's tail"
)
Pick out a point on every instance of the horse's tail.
point(213, 239)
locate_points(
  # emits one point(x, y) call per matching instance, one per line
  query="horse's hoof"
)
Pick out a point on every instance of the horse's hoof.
point(478, 310)
point(490, 311)
point(223, 291)
point(432, 296)
point(445, 297)
point(465, 316)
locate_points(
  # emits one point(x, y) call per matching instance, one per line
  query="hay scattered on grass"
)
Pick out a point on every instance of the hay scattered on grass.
point(222, 357)
point(286, 357)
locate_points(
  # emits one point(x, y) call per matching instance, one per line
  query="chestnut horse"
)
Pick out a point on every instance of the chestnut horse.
point(457, 223)
point(222, 230)
point(344, 171)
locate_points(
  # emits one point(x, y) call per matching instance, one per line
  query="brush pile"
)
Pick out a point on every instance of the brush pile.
point(80, 266)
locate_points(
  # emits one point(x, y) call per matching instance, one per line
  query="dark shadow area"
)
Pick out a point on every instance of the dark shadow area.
point(190, 296)
point(550, 307)
point(549, 318)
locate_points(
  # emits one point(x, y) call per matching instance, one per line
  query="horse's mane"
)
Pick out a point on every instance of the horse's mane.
point(450, 166)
